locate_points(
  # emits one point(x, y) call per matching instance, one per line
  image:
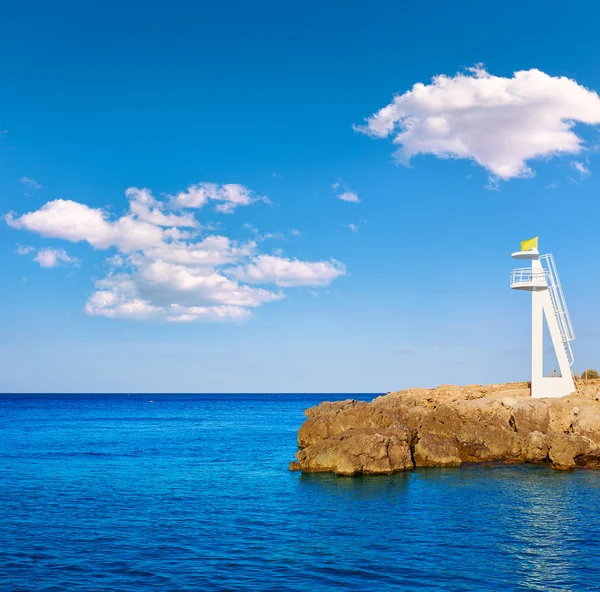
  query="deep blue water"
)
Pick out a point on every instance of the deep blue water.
point(192, 492)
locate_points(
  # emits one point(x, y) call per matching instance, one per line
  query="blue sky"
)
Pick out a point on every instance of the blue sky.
point(302, 291)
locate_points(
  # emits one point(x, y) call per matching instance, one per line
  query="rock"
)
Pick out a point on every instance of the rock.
point(451, 425)
point(325, 425)
point(561, 416)
point(367, 451)
point(433, 451)
point(328, 408)
point(508, 401)
point(530, 416)
point(481, 429)
point(294, 466)
point(535, 448)
point(563, 449)
point(589, 461)
point(587, 422)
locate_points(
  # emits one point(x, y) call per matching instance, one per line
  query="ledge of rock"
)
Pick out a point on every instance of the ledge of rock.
point(451, 425)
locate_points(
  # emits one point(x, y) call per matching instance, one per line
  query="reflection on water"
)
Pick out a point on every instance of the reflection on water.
point(367, 488)
point(545, 540)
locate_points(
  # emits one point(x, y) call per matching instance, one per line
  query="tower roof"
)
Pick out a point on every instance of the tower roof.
point(530, 254)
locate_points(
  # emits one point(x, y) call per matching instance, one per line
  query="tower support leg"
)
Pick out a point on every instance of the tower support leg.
point(537, 344)
point(547, 386)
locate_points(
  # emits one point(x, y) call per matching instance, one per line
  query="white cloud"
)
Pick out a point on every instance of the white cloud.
point(115, 261)
point(54, 257)
point(295, 232)
point(260, 238)
point(209, 252)
point(230, 196)
point(48, 257)
point(160, 272)
point(77, 222)
point(352, 227)
point(581, 169)
point(168, 282)
point(24, 250)
point(30, 185)
point(349, 196)
point(344, 193)
point(251, 228)
point(173, 293)
point(143, 205)
point(267, 269)
point(500, 123)
point(206, 313)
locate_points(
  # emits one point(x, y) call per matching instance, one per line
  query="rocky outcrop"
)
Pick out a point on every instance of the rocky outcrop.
point(371, 450)
point(450, 425)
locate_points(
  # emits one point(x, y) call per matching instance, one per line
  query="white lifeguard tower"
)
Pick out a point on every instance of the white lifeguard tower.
point(547, 300)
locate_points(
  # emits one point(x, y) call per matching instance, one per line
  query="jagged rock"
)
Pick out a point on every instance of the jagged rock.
point(328, 408)
point(564, 448)
point(452, 425)
point(368, 451)
point(324, 425)
point(433, 451)
point(530, 416)
point(535, 448)
point(589, 461)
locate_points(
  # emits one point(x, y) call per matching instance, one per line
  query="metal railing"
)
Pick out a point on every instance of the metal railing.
point(559, 304)
point(527, 276)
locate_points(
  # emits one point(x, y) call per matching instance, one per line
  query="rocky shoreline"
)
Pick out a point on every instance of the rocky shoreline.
point(450, 425)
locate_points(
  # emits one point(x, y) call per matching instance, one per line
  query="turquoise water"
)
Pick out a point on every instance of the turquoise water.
point(192, 492)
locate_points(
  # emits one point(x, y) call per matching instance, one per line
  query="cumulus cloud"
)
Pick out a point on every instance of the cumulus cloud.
point(54, 257)
point(48, 257)
point(349, 196)
point(352, 227)
point(76, 222)
point(343, 192)
point(145, 207)
point(228, 197)
point(500, 123)
point(160, 272)
point(269, 269)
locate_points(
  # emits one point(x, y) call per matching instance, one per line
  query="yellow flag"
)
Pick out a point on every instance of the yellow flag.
point(527, 245)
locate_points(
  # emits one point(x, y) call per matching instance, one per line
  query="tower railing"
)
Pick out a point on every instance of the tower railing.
point(527, 276)
point(560, 306)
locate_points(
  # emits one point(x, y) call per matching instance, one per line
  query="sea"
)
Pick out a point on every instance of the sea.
point(193, 492)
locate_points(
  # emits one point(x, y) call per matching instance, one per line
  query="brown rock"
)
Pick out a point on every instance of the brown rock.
point(328, 408)
point(564, 448)
point(481, 429)
point(561, 416)
point(450, 425)
point(354, 417)
point(530, 416)
point(535, 448)
point(589, 461)
point(433, 451)
point(366, 451)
